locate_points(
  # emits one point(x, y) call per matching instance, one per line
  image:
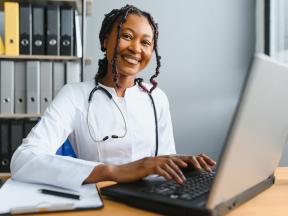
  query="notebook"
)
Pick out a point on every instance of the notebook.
point(252, 150)
point(19, 197)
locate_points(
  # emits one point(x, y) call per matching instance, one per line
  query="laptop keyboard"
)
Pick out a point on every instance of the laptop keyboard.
point(196, 185)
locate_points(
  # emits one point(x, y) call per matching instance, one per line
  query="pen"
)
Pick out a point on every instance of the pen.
point(60, 194)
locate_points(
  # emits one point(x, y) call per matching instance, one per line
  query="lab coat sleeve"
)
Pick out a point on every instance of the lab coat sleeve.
point(35, 160)
point(166, 143)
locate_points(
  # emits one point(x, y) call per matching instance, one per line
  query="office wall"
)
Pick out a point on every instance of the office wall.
point(206, 47)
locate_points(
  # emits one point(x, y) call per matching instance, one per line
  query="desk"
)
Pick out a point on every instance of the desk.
point(273, 201)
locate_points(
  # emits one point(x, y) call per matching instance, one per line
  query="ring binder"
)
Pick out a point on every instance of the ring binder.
point(38, 37)
point(53, 30)
point(25, 29)
point(67, 16)
point(11, 28)
point(7, 87)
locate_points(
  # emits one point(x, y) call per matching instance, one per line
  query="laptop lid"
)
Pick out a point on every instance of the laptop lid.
point(257, 133)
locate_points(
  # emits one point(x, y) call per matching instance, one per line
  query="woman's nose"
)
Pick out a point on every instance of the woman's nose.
point(135, 47)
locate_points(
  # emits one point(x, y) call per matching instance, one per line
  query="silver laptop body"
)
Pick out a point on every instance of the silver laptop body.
point(257, 136)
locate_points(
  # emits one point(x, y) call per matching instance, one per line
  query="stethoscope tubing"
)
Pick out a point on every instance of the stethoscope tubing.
point(97, 87)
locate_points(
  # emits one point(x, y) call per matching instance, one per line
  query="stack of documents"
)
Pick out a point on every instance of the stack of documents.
point(18, 197)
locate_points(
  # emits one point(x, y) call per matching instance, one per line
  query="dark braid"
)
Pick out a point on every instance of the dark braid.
point(106, 28)
point(158, 57)
point(102, 68)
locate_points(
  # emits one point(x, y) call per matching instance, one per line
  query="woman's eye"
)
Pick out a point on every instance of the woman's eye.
point(146, 43)
point(127, 36)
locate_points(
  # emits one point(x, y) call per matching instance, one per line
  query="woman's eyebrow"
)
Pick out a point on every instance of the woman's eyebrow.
point(130, 29)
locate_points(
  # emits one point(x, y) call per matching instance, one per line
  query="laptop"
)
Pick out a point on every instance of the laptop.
point(252, 151)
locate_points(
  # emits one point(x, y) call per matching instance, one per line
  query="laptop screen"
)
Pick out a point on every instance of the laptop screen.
point(257, 134)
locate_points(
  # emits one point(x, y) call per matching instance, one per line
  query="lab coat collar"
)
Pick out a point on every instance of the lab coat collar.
point(131, 91)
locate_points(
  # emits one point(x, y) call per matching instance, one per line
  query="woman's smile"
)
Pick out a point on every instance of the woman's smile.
point(131, 60)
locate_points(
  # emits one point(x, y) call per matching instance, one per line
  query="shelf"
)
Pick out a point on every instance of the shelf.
point(5, 176)
point(40, 57)
point(19, 116)
point(75, 3)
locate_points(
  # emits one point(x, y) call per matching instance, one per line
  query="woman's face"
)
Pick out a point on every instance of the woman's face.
point(135, 45)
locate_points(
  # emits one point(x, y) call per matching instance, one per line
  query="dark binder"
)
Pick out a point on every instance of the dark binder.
point(38, 37)
point(67, 27)
point(28, 125)
point(25, 45)
point(4, 146)
point(16, 134)
point(53, 30)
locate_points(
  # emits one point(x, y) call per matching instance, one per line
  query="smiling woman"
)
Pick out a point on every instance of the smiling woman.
point(134, 112)
point(129, 35)
point(134, 51)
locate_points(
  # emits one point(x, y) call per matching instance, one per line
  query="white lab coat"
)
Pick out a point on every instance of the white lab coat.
point(35, 159)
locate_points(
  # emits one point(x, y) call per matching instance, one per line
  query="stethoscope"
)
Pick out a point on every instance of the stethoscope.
point(96, 88)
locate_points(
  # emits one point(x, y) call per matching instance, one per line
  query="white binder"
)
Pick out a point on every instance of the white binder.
point(45, 85)
point(78, 42)
point(58, 77)
point(20, 87)
point(7, 87)
point(33, 87)
point(73, 72)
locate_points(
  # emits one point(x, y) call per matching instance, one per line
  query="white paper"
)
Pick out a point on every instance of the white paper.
point(15, 194)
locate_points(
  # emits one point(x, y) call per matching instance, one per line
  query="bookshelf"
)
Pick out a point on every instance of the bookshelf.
point(77, 4)
point(82, 7)
point(11, 120)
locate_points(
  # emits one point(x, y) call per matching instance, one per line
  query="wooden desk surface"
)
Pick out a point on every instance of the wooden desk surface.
point(270, 202)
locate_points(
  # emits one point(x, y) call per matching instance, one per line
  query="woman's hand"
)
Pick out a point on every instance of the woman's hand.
point(168, 166)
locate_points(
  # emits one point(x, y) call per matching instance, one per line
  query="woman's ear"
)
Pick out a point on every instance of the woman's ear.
point(105, 43)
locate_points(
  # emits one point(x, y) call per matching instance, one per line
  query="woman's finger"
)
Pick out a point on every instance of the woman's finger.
point(176, 168)
point(172, 173)
point(162, 172)
point(179, 162)
point(208, 160)
point(194, 162)
point(204, 164)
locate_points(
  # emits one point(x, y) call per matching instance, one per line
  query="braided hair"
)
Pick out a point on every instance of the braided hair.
point(106, 28)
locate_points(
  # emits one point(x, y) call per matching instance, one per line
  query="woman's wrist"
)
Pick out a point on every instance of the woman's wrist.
point(102, 172)
point(110, 172)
